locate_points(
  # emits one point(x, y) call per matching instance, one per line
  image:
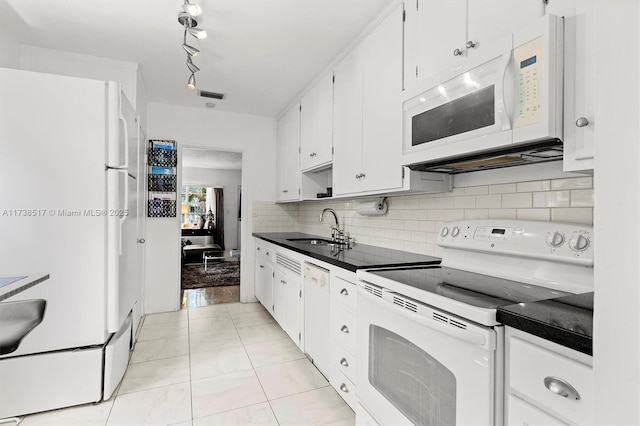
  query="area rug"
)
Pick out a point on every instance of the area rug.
point(217, 274)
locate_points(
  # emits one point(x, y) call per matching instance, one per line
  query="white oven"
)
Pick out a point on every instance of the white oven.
point(423, 366)
point(430, 349)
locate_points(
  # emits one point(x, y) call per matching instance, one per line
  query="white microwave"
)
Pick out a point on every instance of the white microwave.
point(502, 107)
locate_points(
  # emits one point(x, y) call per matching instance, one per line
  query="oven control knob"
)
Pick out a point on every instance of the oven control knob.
point(455, 231)
point(579, 243)
point(556, 239)
point(444, 231)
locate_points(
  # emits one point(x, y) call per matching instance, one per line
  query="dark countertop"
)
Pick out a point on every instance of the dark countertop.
point(566, 320)
point(358, 257)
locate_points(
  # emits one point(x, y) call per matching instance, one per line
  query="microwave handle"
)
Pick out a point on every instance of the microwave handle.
point(507, 91)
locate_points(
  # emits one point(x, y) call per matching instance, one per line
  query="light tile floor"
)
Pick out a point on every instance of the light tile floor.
point(227, 364)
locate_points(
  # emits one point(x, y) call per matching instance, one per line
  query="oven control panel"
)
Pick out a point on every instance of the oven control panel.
point(560, 242)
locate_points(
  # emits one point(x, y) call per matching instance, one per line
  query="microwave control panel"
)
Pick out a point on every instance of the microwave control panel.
point(528, 63)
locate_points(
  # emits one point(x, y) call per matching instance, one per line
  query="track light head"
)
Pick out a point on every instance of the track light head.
point(191, 84)
point(191, 9)
point(192, 67)
point(191, 51)
point(197, 33)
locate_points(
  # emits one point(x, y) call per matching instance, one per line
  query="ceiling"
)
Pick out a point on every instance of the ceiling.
point(260, 53)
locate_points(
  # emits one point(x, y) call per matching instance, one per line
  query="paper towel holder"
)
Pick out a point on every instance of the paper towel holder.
point(376, 207)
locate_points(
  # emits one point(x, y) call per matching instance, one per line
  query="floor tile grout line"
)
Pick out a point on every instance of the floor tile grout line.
point(244, 346)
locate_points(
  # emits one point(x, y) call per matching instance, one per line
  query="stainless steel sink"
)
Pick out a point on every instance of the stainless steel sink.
point(17, 319)
point(315, 241)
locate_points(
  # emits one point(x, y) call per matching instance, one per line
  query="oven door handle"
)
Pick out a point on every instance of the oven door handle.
point(466, 335)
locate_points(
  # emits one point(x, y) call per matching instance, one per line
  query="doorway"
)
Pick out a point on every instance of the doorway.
point(210, 223)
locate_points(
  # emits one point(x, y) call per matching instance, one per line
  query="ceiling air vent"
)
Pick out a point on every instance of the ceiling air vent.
point(212, 95)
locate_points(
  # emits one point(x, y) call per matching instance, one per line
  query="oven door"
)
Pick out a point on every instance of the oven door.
point(423, 366)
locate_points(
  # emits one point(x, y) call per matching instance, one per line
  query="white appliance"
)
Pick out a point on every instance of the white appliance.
point(432, 350)
point(496, 111)
point(69, 207)
point(316, 316)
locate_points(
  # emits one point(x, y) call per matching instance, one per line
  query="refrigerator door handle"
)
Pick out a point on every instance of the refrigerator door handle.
point(123, 120)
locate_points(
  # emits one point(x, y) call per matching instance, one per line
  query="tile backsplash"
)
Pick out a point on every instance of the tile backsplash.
point(412, 221)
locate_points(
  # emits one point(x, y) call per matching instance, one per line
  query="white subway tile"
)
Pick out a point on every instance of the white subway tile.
point(476, 214)
point(519, 200)
point(533, 214)
point(533, 186)
point(419, 237)
point(476, 190)
point(427, 226)
point(436, 215)
point(505, 188)
point(551, 199)
point(573, 183)
point(444, 203)
point(410, 246)
point(575, 215)
point(493, 201)
point(466, 202)
point(457, 214)
point(582, 198)
point(502, 213)
point(412, 225)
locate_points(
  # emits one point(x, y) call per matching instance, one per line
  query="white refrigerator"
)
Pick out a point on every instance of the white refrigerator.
point(69, 207)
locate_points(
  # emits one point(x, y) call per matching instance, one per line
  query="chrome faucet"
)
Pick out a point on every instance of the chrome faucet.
point(333, 212)
point(337, 234)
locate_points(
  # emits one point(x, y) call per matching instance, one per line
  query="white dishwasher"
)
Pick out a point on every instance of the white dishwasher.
point(316, 316)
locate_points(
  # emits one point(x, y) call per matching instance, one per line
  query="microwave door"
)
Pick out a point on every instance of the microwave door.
point(470, 112)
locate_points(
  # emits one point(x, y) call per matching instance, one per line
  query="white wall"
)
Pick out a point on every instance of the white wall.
point(252, 135)
point(228, 180)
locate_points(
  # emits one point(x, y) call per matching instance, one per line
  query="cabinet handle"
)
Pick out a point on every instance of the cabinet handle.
point(344, 363)
point(470, 44)
point(344, 388)
point(258, 248)
point(262, 266)
point(285, 190)
point(344, 329)
point(344, 292)
point(582, 122)
point(560, 387)
point(267, 253)
point(283, 282)
point(457, 52)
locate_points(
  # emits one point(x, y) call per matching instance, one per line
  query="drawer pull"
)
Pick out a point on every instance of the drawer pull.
point(344, 363)
point(560, 387)
point(344, 292)
point(344, 388)
point(344, 329)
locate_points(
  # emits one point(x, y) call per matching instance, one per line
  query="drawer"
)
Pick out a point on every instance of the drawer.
point(343, 329)
point(345, 387)
point(523, 413)
point(265, 252)
point(533, 370)
point(344, 293)
point(344, 362)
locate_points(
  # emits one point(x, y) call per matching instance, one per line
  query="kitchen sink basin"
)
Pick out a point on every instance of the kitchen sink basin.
point(316, 241)
point(17, 319)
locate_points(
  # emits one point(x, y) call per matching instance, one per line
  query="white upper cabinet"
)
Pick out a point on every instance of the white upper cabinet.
point(441, 34)
point(367, 112)
point(579, 82)
point(287, 156)
point(316, 125)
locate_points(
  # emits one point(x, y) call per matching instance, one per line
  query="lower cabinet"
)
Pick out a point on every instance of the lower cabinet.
point(287, 294)
point(545, 383)
point(264, 274)
point(343, 335)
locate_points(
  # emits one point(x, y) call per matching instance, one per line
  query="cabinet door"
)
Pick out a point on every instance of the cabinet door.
point(382, 112)
point(316, 125)
point(279, 303)
point(522, 413)
point(287, 157)
point(579, 82)
point(292, 306)
point(435, 29)
point(493, 20)
point(264, 280)
point(347, 123)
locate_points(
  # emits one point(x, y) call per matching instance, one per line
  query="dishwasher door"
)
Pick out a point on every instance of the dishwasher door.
point(316, 316)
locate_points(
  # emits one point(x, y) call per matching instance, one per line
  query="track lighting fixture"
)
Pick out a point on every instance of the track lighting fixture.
point(186, 19)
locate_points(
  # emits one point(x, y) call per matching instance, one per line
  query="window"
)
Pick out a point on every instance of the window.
point(197, 202)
